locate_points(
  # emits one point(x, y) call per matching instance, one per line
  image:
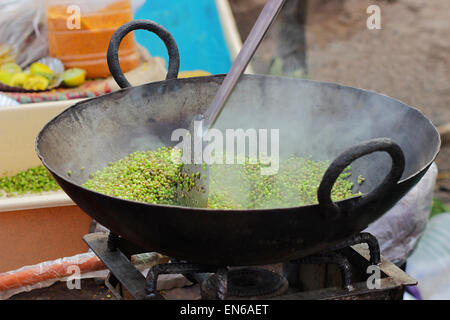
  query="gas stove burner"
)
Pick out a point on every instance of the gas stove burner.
point(244, 283)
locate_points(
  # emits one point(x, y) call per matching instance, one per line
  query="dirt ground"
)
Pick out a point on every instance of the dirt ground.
point(407, 59)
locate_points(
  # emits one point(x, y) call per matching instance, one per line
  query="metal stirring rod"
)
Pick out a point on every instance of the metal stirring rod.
point(259, 30)
point(198, 195)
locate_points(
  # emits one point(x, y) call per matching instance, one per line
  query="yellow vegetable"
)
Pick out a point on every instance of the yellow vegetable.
point(5, 77)
point(11, 67)
point(40, 68)
point(18, 79)
point(74, 77)
point(43, 70)
point(36, 82)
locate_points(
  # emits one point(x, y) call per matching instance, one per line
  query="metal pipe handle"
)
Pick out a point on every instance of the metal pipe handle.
point(160, 31)
point(327, 205)
point(254, 39)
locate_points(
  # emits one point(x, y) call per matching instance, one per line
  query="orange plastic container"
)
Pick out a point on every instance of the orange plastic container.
point(79, 32)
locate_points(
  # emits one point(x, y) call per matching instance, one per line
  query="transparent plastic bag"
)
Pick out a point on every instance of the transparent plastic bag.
point(23, 32)
point(47, 273)
point(83, 42)
point(399, 230)
point(429, 264)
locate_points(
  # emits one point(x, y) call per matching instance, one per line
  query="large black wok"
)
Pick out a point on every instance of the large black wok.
point(319, 119)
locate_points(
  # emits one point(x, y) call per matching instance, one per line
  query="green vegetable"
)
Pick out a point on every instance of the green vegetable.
point(150, 176)
point(296, 184)
point(34, 180)
point(361, 180)
point(153, 177)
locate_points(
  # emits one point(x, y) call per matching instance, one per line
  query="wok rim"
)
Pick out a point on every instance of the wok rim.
point(219, 211)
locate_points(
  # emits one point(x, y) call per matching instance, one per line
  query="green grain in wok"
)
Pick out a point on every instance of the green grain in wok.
point(150, 176)
point(153, 177)
point(296, 184)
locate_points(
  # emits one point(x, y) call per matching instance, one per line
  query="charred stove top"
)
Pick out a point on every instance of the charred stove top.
point(352, 270)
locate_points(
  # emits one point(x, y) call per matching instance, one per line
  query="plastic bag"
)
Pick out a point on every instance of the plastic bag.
point(430, 262)
point(400, 228)
point(81, 266)
point(84, 44)
point(23, 32)
point(47, 273)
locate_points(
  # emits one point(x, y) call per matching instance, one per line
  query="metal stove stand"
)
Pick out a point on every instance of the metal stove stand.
point(339, 273)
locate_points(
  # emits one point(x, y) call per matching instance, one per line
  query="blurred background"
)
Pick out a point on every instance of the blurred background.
point(407, 59)
point(196, 29)
point(328, 40)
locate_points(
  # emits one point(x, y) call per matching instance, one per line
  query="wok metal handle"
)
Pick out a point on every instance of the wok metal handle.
point(160, 31)
point(346, 158)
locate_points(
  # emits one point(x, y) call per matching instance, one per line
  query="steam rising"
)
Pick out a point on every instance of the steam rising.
point(314, 119)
